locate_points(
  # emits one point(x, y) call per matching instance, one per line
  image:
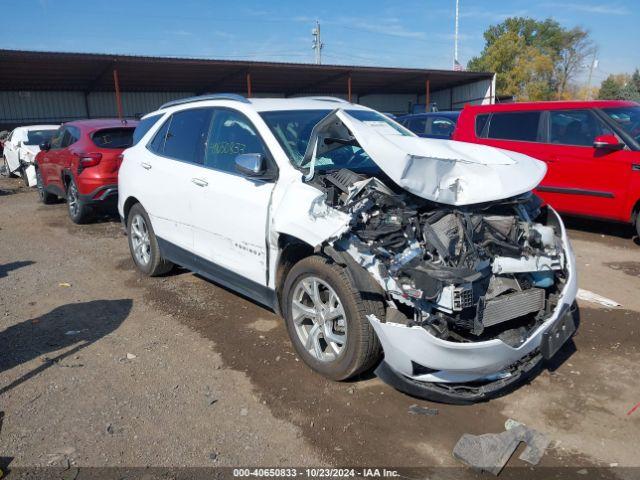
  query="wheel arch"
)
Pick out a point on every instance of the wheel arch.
point(292, 250)
point(635, 211)
point(127, 206)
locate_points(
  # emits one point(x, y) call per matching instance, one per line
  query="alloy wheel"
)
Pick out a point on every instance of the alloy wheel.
point(72, 199)
point(39, 184)
point(140, 240)
point(319, 319)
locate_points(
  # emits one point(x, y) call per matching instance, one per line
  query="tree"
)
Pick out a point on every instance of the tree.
point(610, 89)
point(534, 60)
point(630, 92)
point(576, 47)
point(635, 78)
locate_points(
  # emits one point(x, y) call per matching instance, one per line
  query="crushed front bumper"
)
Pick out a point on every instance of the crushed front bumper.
point(420, 364)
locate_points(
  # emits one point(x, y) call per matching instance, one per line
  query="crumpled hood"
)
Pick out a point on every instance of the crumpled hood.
point(446, 171)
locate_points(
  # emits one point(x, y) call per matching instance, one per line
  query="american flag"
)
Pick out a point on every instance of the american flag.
point(457, 67)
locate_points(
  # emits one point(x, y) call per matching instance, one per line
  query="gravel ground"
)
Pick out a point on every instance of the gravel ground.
point(100, 366)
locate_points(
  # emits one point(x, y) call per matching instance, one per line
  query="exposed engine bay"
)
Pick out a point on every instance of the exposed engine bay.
point(463, 273)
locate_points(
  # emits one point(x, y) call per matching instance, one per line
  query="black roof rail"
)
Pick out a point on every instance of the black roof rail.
point(326, 99)
point(200, 98)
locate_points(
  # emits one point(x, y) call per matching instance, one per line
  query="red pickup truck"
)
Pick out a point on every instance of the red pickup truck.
point(592, 151)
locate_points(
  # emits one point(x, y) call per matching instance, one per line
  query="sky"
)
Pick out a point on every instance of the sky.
point(407, 33)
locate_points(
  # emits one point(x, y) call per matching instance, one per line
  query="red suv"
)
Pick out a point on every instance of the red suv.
point(592, 151)
point(81, 164)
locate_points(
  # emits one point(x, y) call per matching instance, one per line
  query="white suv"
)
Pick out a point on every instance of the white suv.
point(368, 240)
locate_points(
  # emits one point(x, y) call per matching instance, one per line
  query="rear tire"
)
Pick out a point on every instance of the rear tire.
point(79, 212)
point(143, 244)
point(336, 345)
point(45, 197)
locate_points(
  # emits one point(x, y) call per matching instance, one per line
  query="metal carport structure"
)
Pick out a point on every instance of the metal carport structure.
point(53, 86)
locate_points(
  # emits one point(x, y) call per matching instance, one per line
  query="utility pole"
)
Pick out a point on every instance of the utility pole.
point(456, 64)
point(317, 44)
point(594, 65)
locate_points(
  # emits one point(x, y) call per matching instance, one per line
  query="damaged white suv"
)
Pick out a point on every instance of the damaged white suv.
point(370, 241)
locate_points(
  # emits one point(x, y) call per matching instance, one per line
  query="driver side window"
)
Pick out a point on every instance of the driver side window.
point(230, 134)
point(575, 127)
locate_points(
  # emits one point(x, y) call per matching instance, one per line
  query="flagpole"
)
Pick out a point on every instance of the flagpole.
point(455, 38)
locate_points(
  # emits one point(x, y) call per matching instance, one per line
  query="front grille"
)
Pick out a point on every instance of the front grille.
point(512, 305)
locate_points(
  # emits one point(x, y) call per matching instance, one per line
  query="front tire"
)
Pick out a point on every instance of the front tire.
point(325, 313)
point(143, 244)
point(638, 224)
point(79, 212)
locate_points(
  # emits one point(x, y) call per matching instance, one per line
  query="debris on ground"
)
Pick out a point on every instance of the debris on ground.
point(130, 356)
point(634, 408)
point(64, 284)
point(213, 456)
point(72, 332)
point(491, 452)
point(589, 296)
point(418, 410)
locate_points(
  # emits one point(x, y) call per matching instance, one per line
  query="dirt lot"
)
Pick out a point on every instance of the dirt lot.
point(102, 367)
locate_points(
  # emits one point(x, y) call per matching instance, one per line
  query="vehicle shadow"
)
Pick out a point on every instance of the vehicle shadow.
point(600, 227)
point(8, 267)
point(75, 325)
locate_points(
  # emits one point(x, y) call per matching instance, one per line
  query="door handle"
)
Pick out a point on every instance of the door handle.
point(199, 182)
point(145, 165)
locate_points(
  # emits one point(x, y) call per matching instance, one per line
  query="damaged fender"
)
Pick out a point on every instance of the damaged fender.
point(303, 213)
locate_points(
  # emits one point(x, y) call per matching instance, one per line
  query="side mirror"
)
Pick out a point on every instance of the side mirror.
point(607, 142)
point(45, 146)
point(251, 164)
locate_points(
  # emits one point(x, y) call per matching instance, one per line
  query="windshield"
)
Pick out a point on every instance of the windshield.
point(627, 118)
point(293, 129)
point(36, 137)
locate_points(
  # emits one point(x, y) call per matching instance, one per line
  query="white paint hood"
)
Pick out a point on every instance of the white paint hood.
point(445, 171)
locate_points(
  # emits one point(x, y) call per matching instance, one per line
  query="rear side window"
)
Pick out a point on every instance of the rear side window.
point(440, 127)
point(113, 138)
point(144, 126)
point(519, 126)
point(481, 123)
point(417, 124)
point(182, 137)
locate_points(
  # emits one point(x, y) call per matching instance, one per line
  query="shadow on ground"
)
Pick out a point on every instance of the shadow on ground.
point(600, 227)
point(9, 267)
point(75, 325)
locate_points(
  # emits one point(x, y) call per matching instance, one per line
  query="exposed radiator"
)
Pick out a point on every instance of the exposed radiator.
point(512, 305)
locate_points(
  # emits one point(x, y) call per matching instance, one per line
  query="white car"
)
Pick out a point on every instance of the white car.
point(368, 240)
point(22, 146)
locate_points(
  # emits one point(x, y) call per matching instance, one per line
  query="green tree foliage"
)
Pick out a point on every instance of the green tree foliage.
point(610, 89)
point(621, 87)
point(635, 78)
point(533, 60)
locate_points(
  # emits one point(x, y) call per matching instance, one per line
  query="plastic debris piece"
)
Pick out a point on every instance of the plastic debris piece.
point(130, 356)
point(491, 452)
point(64, 284)
point(589, 296)
point(418, 410)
